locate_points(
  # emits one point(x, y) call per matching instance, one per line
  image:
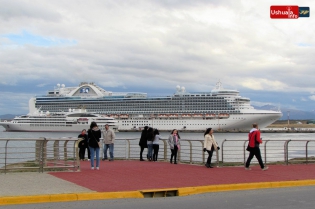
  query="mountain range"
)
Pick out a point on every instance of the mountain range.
point(291, 114)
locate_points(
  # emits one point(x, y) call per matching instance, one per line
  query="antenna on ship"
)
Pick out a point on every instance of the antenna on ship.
point(218, 85)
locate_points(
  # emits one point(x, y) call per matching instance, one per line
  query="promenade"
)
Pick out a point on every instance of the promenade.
point(135, 179)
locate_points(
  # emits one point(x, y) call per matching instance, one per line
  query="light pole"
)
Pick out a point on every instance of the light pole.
point(288, 118)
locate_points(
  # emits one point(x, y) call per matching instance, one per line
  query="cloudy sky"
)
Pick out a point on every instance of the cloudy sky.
point(153, 45)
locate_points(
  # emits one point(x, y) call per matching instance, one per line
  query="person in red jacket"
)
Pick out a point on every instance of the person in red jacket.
point(253, 147)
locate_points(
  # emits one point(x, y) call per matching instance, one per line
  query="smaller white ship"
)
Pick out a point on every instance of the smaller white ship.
point(72, 121)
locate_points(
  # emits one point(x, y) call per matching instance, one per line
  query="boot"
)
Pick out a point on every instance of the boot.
point(207, 165)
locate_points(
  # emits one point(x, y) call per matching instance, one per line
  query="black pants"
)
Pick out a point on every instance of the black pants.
point(155, 151)
point(82, 152)
point(174, 153)
point(210, 153)
point(141, 151)
point(255, 152)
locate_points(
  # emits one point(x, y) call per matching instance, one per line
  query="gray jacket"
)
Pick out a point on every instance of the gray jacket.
point(171, 141)
point(109, 136)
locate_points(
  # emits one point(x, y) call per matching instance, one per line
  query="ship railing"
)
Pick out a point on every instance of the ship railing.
point(40, 154)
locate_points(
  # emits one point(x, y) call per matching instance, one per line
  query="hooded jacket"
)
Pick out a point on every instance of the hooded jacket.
point(254, 138)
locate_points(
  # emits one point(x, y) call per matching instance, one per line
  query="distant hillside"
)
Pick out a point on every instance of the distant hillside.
point(7, 117)
point(293, 114)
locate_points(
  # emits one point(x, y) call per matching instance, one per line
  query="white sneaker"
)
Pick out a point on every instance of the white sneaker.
point(248, 169)
point(88, 159)
point(92, 168)
point(265, 168)
point(97, 168)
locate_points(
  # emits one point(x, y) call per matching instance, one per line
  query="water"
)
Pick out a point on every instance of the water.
point(233, 149)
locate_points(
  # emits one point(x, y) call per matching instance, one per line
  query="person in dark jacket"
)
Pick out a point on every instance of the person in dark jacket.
point(94, 134)
point(253, 146)
point(83, 145)
point(143, 141)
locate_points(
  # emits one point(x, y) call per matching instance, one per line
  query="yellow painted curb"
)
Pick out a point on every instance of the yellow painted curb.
point(13, 200)
point(245, 186)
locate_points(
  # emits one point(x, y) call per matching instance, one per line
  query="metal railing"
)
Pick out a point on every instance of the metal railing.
point(45, 154)
point(272, 151)
point(41, 154)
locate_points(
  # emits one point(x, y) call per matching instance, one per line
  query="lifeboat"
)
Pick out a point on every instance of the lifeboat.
point(186, 116)
point(124, 116)
point(113, 116)
point(222, 115)
point(163, 116)
point(83, 120)
point(210, 115)
point(197, 115)
point(173, 116)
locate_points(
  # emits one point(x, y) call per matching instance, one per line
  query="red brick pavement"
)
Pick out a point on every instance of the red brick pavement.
point(135, 175)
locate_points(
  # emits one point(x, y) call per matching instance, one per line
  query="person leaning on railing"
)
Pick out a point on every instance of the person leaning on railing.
point(83, 145)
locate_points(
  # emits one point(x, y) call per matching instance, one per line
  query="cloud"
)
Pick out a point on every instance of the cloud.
point(312, 97)
point(156, 45)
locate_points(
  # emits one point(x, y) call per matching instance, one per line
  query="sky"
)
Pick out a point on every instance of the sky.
point(154, 45)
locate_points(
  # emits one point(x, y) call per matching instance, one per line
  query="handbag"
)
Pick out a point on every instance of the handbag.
point(248, 148)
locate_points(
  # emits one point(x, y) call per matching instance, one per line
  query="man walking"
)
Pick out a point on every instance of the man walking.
point(253, 147)
point(109, 139)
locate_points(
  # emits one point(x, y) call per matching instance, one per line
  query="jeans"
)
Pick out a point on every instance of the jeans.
point(155, 151)
point(255, 152)
point(94, 151)
point(150, 147)
point(111, 151)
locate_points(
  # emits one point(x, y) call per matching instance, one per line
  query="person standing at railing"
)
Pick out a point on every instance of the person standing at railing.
point(94, 144)
point(253, 147)
point(156, 144)
point(209, 145)
point(174, 143)
point(83, 145)
point(109, 139)
point(143, 141)
point(150, 136)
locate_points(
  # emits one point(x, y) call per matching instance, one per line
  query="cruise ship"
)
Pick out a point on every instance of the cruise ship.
point(220, 109)
point(71, 121)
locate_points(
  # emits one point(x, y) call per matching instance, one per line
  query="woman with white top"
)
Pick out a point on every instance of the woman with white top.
point(156, 145)
point(210, 145)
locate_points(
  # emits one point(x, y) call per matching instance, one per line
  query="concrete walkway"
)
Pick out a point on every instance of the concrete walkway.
point(135, 179)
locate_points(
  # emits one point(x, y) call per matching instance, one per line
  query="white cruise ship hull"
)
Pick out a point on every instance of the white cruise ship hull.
point(16, 127)
point(239, 122)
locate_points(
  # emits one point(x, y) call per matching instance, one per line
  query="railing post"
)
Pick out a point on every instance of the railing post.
point(77, 156)
point(56, 150)
point(128, 149)
point(265, 149)
point(65, 151)
point(6, 156)
point(244, 150)
point(306, 151)
point(203, 153)
point(286, 152)
point(42, 154)
point(165, 150)
point(222, 149)
point(190, 151)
